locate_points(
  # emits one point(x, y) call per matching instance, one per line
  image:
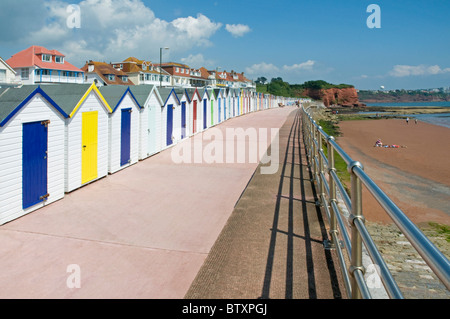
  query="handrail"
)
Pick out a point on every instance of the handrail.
point(322, 165)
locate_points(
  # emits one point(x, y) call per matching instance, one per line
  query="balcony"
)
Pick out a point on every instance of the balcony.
point(58, 79)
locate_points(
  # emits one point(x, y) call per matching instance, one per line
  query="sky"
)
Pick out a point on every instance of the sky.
point(397, 44)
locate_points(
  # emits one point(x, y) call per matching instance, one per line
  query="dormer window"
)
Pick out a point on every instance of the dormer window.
point(144, 67)
point(124, 78)
point(111, 77)
point(46, 58)
point(59, 59)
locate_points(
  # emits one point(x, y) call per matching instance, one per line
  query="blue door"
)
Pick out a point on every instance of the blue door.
point(183, 120)
point(169, 124)
point(125, 139)
point(205, 114)
point(34, 163)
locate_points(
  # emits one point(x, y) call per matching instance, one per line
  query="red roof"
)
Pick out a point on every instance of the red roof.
point(33, 57)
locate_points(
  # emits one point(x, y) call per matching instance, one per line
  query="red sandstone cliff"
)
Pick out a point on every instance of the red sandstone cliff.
point(344, 97)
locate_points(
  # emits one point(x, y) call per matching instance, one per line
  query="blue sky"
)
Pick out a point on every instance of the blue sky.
point(297, 40)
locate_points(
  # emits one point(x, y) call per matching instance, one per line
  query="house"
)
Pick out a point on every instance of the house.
point(143, 72)
point(150, 125)
point(180, 73)
point(124, 129)
point(7, 75)
point(196, 78)
point(170, 117)
point(32, 153)
point(37, 65)
point(86, 142)
point(104, 74)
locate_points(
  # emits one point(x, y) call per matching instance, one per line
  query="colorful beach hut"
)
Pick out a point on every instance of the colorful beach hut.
point(195, 118)
point(87, 132)
point(124, 127)
point(205, 113)
point(185, 105)
point(150, 123)
point(170, 117)
point(31, 151)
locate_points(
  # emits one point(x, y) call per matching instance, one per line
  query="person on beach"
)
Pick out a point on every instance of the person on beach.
point(378, 143)
point(415, 121)
point(407, 120)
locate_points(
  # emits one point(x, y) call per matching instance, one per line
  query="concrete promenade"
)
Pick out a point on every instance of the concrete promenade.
point(164, 230)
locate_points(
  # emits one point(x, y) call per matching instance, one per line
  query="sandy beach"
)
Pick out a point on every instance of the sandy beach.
point(416, 175)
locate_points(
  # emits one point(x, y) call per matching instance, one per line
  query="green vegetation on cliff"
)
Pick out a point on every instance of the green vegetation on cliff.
point(281, 88)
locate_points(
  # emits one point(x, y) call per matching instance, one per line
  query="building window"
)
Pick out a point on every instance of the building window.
point(177, 69)
point(46, 58)
point(144, 67)
point(111, 77)
point(59, 59)
point(25, 74)
point(124, 78)
point(142, 77)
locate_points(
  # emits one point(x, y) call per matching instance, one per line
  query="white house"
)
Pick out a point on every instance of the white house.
point(7, 74)
point(37, 65)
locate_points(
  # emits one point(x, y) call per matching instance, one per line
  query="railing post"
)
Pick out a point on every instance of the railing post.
point(332, 185)
point(356, 257)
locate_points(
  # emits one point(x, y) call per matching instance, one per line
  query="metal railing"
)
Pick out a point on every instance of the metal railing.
point(329, 187)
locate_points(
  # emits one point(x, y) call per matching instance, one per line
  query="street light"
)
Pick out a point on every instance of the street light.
point(160, 64)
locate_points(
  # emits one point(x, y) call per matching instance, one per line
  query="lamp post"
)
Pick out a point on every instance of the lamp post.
point(160, 64)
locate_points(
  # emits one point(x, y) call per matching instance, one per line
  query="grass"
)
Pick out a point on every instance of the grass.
point(441, 230)
point(341, 167)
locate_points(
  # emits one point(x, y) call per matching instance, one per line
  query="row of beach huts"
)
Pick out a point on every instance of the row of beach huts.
point(55, 139)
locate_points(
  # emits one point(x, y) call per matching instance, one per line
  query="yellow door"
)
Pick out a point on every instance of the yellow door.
point(89, 146)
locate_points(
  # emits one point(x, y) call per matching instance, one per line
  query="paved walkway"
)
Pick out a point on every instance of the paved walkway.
point(272, 245)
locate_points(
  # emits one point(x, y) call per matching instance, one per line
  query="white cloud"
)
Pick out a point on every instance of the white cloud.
point(414, 70)
point(237, 30)
point(262, 69)
point(308, 65)
point(197, 61)
point(108, 32)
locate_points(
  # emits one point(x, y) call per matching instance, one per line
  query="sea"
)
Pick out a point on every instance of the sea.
point(442, 119)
